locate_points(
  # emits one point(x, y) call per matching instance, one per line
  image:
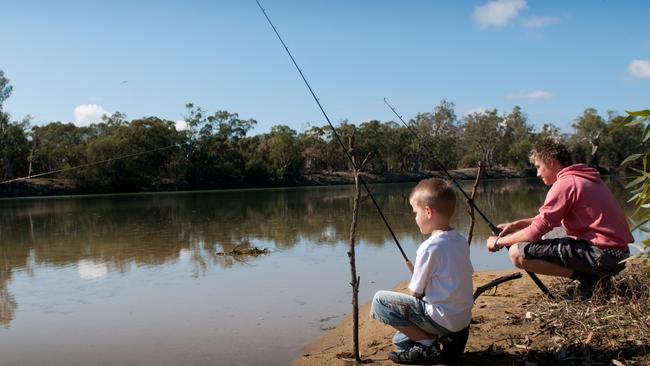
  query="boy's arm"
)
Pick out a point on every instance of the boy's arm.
point(422, 271)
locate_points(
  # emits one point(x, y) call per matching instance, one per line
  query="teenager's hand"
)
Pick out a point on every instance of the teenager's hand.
point(507, 228)
point(491, 244)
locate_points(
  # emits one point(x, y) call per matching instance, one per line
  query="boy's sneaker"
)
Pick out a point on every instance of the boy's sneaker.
point(416, 355)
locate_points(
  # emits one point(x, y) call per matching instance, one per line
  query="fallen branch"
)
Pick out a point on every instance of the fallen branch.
point(495, 282)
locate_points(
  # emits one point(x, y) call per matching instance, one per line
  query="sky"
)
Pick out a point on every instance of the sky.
point(71, 61)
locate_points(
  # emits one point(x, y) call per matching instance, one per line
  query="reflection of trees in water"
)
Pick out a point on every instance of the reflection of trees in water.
point(122, 231)
point(8, 303)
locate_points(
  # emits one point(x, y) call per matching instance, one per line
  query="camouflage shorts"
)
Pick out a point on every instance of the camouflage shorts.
point(579, 255)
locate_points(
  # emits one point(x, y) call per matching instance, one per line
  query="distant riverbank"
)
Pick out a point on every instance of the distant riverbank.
point(58, 187)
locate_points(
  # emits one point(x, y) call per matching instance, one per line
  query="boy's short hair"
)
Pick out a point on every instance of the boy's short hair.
point(551, 149)
point(436, 193)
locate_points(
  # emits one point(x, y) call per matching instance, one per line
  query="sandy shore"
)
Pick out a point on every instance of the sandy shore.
point(492, 325)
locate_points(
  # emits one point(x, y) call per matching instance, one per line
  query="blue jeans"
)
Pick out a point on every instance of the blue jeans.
point(400, 310)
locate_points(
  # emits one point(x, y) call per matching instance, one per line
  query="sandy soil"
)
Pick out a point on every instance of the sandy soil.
point(497, 333)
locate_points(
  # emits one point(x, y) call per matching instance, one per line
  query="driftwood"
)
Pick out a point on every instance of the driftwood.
point(495, 282)
point(470, 209)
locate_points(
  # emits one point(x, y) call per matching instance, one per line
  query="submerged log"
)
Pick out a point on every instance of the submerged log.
point(248, 251)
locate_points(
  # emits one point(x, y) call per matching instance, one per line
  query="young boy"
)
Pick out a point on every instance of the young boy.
point(597, 230)
point(440, 292)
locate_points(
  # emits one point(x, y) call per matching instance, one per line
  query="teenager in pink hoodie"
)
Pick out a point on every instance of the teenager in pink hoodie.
point(598, 233)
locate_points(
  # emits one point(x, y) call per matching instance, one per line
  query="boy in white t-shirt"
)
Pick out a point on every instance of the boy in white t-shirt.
point(440, 292)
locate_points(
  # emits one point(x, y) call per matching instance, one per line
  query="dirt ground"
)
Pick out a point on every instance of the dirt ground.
point(502, 330)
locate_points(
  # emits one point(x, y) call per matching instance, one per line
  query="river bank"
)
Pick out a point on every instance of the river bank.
point(514, 324)
point(58, 187)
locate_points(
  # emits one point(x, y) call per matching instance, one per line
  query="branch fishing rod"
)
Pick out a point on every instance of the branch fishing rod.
point(88, 164)
point(494, 228)
point(338, 138)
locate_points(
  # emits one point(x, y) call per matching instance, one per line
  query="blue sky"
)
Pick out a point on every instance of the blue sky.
point(144, 58)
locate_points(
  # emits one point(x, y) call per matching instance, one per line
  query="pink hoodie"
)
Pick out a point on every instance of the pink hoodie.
point(582, 203)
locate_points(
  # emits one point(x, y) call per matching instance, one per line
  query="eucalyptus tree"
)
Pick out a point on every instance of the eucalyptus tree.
point(213, 147)
point(590, 130)
point(14, 144)
point(619, 143)
point(482, 132)
point(517, 138)
point(57, 146)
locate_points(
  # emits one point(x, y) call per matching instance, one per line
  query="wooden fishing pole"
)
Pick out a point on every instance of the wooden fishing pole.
point(494, 228)
point(338, 138)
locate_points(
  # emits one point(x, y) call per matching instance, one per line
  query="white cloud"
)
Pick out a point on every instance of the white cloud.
point(531, 96)
point(539, 22)
point(86, 114)
point(639, 69)
point(181, 125)
point(479, 110)
point(497, 13)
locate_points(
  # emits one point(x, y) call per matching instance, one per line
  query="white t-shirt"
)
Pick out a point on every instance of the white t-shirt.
point(443, 273)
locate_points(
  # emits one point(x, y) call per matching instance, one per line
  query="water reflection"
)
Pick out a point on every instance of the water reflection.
point(104, 234)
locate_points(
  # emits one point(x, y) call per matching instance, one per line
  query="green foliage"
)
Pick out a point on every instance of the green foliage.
point(482, 135)
point(14, 144)
point(590, 128)
point(57, 146)
point(639, 187)
point(215, 150)
point(213, 145)
point(284, 152)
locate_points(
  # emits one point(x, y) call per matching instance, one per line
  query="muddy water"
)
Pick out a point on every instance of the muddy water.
point(134, 279)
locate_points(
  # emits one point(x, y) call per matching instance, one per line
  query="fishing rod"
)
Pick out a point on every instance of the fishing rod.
point(338, 138)
point(88, 164)
point(494, 228)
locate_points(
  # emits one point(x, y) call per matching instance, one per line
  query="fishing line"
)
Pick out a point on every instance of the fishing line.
point(88, 164)
point(495, 230)
point(338, 138)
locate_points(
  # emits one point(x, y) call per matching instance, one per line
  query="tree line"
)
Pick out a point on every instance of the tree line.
point(217, 151)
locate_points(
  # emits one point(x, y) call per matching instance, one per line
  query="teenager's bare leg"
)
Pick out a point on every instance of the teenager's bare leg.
point(537, 265)
point(414, 333)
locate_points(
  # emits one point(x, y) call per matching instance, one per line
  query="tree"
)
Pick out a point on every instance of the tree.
point(213, 148)
point(314, 149)
point(482, 133)
point(14, 144)
point(548, 130)
point(284, 152)
point(445, 132)
point(57, 146)
point(619, 143)
point(370, 138)
point(135, 155)
point(589, 129)
point(517, 138)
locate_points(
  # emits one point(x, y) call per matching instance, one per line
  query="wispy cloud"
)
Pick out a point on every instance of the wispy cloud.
point(497, 13)
point(86, 114)
point(639, 69)
point(539, 22)
point(478, 110)
point(534, 95)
